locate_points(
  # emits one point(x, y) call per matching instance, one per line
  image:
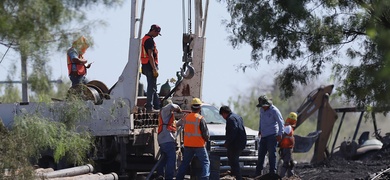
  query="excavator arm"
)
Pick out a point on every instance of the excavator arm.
point(327, 116)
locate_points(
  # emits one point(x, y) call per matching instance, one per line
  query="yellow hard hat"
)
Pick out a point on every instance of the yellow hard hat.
point(196, 102)
point(293, 116)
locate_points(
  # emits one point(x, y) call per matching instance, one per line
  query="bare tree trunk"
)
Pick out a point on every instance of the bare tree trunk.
point(24, 77)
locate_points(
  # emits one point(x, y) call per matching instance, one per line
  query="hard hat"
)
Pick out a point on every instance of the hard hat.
point(196, 102)
point(292, 118)
point(81, 44)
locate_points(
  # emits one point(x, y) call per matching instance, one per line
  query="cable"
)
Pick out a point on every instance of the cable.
point(5, 53)
point(189, 17)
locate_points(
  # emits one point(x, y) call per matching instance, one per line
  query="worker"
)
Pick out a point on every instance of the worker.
point(287, 144)
point(167, 139)
point(77, 65)
point(196, 135)
point(270, 133)
point(149, 61)
point(235, 139)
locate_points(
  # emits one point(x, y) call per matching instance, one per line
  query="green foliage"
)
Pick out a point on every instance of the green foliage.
point(44, 90)
point(245, 105)
point(311, 35)
point(11, 94)
point(35, 29)
point(38, 134)
point(10, 91)
point(71, 113)
point(58, 130)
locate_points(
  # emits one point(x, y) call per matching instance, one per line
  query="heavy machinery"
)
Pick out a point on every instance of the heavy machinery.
point(126, 136)
point(318, 99)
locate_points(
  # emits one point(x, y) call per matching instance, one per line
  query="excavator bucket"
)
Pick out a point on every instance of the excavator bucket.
point(304, 143)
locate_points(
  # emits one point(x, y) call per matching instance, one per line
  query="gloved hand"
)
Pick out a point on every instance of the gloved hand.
point(155, 73)
point(88, 65)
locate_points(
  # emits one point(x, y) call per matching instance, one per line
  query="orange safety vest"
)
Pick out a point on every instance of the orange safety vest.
point(192, 134)
point(288, 140)
point(171, 126)
point(144, 54)
point(81, 70)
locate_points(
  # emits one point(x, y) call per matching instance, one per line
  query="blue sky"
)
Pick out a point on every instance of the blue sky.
point(110, 52)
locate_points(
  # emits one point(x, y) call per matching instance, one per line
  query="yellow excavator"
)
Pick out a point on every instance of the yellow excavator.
point(318, 99)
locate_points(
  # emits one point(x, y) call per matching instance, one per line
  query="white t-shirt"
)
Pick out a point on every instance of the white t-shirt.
point(287, 129)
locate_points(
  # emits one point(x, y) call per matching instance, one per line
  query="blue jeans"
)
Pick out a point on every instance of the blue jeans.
point(168, 161)
point(267, 144)
point(151, 90)
point(77, 79)
point(201, 154)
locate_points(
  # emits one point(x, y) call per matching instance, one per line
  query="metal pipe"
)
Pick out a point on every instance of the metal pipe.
point(376, 131)
point(141, 20)
point(59, 81)
point(98, 176)
point(358, 126)
point(74, 171)
point(111, 176)
point(338, 131)
point(184, 17)
point(205, 18)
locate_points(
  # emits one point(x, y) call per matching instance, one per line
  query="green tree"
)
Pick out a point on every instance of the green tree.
point(32, 134)
point(35, 28)
point(309, 35)
point(10, 91)
point(245, 105)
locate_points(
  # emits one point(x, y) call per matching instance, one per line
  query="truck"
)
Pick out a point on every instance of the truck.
point(318, 100)
point(125, 134)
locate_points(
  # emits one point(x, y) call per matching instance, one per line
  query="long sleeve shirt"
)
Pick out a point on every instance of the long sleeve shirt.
point(235, 132)
point(271, 122)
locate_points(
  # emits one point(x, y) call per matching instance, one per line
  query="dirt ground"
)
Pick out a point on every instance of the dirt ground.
point(337, 168)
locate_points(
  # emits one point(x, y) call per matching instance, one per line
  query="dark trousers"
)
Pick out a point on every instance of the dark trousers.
point(288, 163)
point(151, 90)
point(233, 157)
point(77, 79)
point(267, 144)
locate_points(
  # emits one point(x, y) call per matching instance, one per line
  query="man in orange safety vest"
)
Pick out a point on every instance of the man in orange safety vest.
point(196, 134)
